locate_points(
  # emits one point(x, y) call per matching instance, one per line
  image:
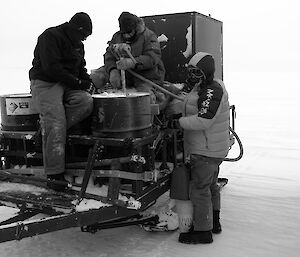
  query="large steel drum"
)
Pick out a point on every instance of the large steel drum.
point(18, 113)
point(118, 115)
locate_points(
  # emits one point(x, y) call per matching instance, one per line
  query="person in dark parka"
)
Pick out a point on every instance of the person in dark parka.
point(145, 49)
point(59, 83)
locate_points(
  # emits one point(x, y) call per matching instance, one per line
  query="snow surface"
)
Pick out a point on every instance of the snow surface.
point(260, 204)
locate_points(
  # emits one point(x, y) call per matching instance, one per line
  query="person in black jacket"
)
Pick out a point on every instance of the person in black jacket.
point(59, 85)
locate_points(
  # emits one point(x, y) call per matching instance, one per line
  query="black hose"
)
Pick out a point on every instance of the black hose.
point(180, 98)
point(240, 145)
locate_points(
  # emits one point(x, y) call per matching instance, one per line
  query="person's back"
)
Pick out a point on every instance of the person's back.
point(58, 58)
point(212, 140)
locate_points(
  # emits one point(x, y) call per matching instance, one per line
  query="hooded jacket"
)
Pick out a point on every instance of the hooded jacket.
point(59, 59)
point(206, 120)
point(145, 48)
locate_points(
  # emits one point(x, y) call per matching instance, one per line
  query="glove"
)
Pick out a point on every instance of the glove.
point(176, 116)
point(171, 87)
point(120, 49)
point(173, 124)
point(115, 78)
point(92, 89)
point(86, 85)
point(125, 64)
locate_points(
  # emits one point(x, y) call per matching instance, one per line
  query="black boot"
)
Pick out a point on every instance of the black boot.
point(217, 229)
point(196, 237)
point(57, 182)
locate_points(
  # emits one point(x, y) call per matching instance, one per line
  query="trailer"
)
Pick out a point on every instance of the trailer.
point(133, 180)
point(127, 167)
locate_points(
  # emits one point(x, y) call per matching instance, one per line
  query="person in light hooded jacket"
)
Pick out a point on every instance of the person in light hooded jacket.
point(205, 121)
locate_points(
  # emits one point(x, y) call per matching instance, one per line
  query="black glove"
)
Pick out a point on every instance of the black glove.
point(86, 85)
point(176, 116)
point(173, 124)
point(188, 165)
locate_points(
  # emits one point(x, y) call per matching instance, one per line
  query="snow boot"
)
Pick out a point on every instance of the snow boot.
point(217, 229)
point(196, 237)
point(57, 182)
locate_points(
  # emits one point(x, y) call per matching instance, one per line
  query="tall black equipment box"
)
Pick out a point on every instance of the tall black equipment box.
point(181, 35)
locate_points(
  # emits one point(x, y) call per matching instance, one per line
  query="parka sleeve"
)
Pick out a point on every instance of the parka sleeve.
point(151, 55)
point(83, 74)
point(208, 108)
point(109, 59)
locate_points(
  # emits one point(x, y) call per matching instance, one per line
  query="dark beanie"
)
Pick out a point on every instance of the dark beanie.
point(127, 22)
point(82, 21)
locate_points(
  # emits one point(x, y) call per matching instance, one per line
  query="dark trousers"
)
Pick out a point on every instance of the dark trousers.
point(204, 191)
point(60, 108)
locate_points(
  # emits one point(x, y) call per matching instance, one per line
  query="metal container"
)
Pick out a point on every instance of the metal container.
point(117, 115)
point(181, 35)
point(18, 113)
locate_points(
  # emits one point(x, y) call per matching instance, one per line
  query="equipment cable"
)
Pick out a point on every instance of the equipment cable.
point(180, 98)
point(240, 146)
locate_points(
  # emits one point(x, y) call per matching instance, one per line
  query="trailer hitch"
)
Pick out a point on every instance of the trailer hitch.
point(134, 220)
point(21, 227)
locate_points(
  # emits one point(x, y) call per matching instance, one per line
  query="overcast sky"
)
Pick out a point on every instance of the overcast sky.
point(257, 35)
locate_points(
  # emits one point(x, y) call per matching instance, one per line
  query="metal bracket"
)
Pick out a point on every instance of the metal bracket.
point(145, 176)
